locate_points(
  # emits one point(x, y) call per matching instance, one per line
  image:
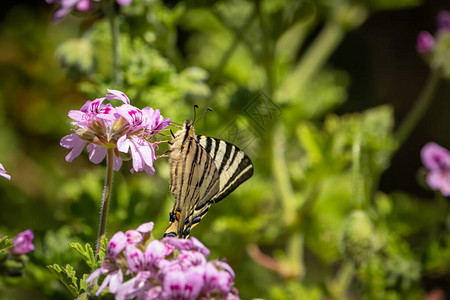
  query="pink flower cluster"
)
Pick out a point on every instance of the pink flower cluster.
point(23, 243)
point(437, 160)
point(128, 130)
point(425, 40)
point(81, 5)
point(139, 266)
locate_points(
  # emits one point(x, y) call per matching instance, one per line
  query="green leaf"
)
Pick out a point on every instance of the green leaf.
point(83, 284)
point(86, 253)
point(102, 252)
point(67, 276)
point(5, 243)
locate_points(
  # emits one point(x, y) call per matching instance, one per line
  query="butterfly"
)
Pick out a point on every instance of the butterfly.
point(203, 170)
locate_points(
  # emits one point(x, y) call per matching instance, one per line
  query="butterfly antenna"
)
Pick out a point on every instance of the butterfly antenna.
point(195, 113)
point(207, 109)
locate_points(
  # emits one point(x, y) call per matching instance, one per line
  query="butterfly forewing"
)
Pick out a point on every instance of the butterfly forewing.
point(233, 165)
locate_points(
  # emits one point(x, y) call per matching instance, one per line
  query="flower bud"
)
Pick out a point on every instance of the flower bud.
point(120, 127)
point(357, 243)
point(85, 134)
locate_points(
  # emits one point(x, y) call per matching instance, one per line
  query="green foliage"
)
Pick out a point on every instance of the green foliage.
point(67, 276)
point(5, 243)
point(86, 253)
point(313, 208)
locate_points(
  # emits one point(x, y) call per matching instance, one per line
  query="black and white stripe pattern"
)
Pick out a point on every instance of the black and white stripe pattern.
point(233, 164)
point(203, 170)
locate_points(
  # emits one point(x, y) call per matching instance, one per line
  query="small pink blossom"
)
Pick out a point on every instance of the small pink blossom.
point(437, 160)
point(66, 6)
point(23, 243)
point(425, 42)
point(443, 20)
point(3, 172)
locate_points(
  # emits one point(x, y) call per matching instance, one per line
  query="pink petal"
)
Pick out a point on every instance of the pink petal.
point(74, 142)
point(117, 163)
point(77, 115)
point(115, 94)
point(96, 153)
point(3, 172)
point(146, 227)
point(123, 2)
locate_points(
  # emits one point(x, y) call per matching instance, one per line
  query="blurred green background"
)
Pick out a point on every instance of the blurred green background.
point(311, 90)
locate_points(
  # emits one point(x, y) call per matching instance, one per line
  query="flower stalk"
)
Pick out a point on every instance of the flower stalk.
point(106, 198)
point(420, 107)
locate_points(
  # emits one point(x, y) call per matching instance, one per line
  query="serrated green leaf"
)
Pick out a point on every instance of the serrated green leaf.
point(83, 284)
point(86, 253)
point(67, 276)
point(102, 252)
point(5, 243)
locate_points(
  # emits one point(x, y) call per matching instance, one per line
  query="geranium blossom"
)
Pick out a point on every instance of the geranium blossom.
point(142, 267)
point(23, 243)
point(66, 6)
point(437, 160)
point(125, 129)
point(3, 172)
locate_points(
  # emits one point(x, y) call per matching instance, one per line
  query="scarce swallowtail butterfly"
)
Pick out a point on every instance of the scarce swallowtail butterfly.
point(203, 170)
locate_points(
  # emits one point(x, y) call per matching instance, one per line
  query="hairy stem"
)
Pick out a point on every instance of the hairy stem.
point(422, 104)
point(106, 198)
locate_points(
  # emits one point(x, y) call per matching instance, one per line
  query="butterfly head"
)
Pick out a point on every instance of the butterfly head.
point(188, 127)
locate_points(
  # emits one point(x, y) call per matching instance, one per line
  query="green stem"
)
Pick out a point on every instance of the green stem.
point(314, 58)
point(340, 285)
point(422, 104)
point(268, 53)
point(295, 255)
point(106, 198)
point(281, 174)
point(358, 194)
point(238, 34)
point(115, 33)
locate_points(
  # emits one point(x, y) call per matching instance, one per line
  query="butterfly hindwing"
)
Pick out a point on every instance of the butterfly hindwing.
point(204, 170)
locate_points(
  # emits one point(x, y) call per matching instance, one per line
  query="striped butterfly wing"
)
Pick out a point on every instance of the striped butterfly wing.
point(194, 180)
point(233, 165)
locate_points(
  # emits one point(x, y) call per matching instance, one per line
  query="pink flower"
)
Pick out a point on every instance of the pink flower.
point(443, 20)
point(183, 285)
point(437, 160)
point(125, 129)
point(66, 6)
point(116, 245)
point(3, 172)
point(425, 42)
point(23, 243)
point(136, 140)
point(167, 269)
